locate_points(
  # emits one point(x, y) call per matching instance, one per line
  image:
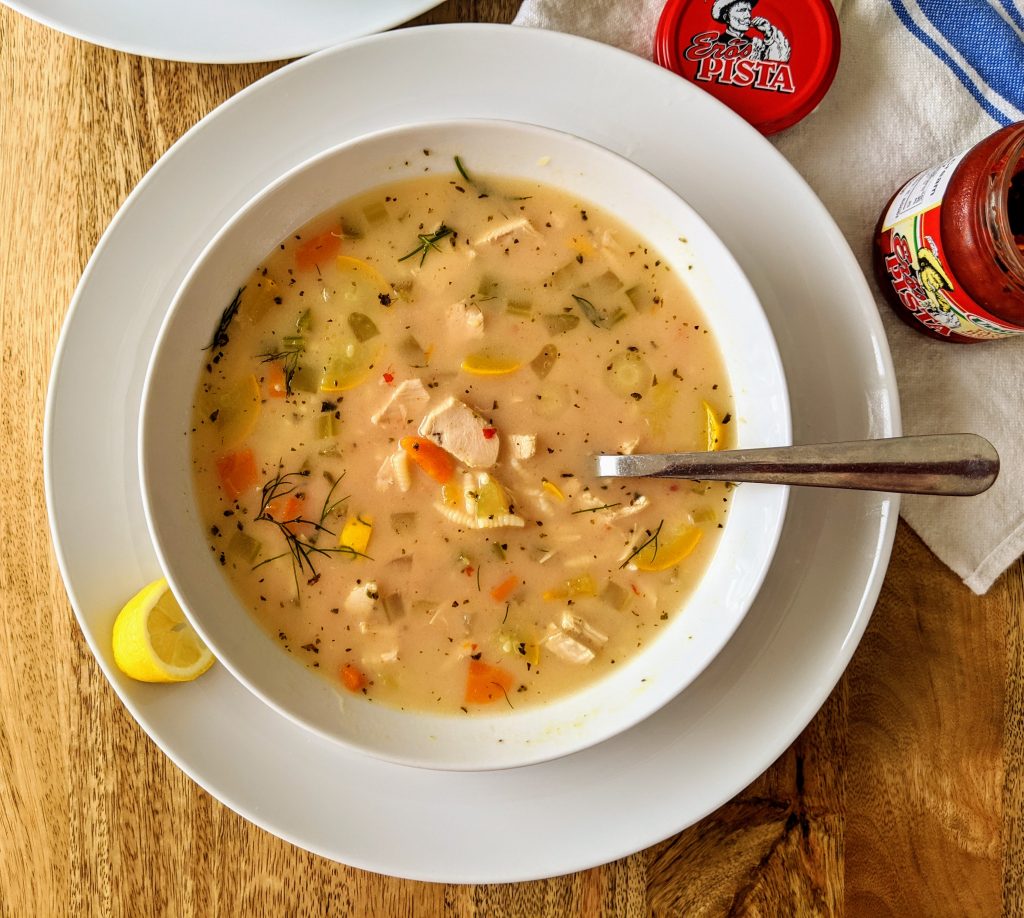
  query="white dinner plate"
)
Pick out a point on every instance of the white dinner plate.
point(220, 31)
point(743, 711)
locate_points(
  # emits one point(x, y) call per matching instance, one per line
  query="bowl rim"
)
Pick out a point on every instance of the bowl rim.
point(531, 755)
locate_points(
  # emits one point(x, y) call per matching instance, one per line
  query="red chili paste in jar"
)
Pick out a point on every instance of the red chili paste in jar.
point(949, 246)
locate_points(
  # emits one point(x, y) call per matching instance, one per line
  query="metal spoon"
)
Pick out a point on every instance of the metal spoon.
point(951, 464)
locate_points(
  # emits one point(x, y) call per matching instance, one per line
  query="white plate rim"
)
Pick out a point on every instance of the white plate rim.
point(369, 18)
point(884, 422)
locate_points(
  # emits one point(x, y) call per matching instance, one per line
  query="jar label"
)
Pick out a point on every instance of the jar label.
point(917, 266)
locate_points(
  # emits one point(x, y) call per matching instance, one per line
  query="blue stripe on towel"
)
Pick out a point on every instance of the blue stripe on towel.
point(982, 38)
point(1013, 12)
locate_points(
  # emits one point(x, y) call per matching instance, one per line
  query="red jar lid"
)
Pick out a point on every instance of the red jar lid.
point(770, 61)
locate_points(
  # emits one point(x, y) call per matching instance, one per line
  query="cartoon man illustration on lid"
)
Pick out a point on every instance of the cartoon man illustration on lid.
point(736, 16)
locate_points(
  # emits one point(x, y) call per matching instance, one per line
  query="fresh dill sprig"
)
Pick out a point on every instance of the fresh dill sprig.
point(595, 509)
point(290, 357)
point(328, 507)
point(462, 170)
point(652, 540)
point(220, 336)
point(503, 692)
point(428, 242)
point(301, 551)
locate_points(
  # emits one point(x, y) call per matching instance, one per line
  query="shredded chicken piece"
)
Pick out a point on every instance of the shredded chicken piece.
point(372, 660)
point(579, 628)
point(457, 428)
point(524, 446)
point(408, 398)
point(575, 640)
point(364, 604)
point(466, 317)
point(519, 225)
point(565, 647)
point(589, 501)
point(394, 470)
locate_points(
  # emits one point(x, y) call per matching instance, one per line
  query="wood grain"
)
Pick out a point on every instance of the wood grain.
point(903, 797)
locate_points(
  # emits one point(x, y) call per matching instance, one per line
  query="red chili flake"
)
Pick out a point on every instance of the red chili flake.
point(673, 487)
point(489, 432)
point(469, 570)
point(635, 590)
point(389, 378)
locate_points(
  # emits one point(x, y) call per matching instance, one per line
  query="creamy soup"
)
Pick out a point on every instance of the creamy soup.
point(391, 435)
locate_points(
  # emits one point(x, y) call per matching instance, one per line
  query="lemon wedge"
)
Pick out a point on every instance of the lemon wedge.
point(154, 643)
point(661, 555)
point(714, 429)
point(488, 364)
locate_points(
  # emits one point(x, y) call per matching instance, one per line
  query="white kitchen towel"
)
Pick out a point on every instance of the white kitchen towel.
point(919, 81)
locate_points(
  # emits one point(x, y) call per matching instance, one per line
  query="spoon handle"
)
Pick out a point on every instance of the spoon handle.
point(951, 464)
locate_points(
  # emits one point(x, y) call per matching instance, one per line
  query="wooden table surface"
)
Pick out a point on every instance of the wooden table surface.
point(903, 797)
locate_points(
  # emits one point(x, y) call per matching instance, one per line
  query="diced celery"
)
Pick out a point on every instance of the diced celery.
point(488, 287)
point(559, 323)
point(400, 566)
point(394, 606)
point(404, 289)
point(629, 374)
point(303, 380)
point(375, 213)
point(545, 360)
point(705, 515)
point(606, 283)
point(402, 523)
point(326, 426)
point(521, 308)
point(564, 275)
point(303, 323)
point(499, 551)
point(362, 326)
point(294, 342)
point(245, 546)
point(614, 318)
point(615, 596)
point(410, 351)
point(551, 400)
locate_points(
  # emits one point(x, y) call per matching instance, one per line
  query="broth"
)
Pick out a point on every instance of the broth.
point(390, 438)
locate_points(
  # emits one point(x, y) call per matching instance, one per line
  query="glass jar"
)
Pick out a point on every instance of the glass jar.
point(949, 246)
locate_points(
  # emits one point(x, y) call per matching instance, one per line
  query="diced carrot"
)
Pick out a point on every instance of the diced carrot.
point(285, 509)
point(352, 678)
point(238, 473)
point(504, 589)
point(486, 683)
point(277, 384)
point(317, 250)
point(436, 462)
